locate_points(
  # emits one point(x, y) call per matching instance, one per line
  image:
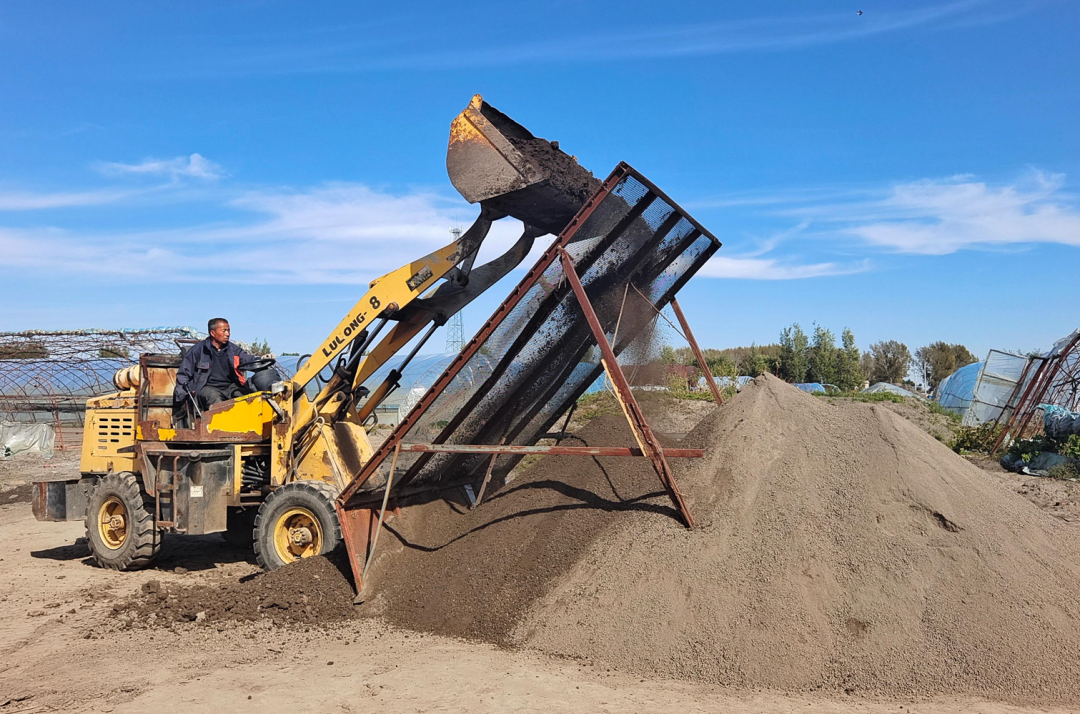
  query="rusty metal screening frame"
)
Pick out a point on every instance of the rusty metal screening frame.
point(1053, 378)
point(540, 350)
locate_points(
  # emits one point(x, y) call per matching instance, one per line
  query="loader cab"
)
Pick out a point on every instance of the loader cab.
point(246, 419)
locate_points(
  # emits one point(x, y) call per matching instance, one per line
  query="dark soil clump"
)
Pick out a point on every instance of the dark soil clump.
point(19, 494)
point(312, 591)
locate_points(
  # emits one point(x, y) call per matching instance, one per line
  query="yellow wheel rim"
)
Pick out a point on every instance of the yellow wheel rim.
point(112, 523)
point(297, 534)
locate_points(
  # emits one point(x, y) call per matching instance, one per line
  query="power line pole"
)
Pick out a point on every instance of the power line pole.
point(455, 328)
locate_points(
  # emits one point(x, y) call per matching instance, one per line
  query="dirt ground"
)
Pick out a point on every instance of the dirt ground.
point(23, 469)
point(67, 643)
point(1057, 497)
point(62, 648)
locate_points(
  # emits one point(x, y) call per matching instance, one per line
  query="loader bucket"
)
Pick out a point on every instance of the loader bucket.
point(493, 159)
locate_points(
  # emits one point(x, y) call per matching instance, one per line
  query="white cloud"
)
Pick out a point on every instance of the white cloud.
point(29, 201)
point(720, 266)
point(352, 233)
point(337, 233)
point(194, 166)
point(925, 217)
point(938, 217)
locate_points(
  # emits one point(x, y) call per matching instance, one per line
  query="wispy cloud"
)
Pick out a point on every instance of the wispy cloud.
point(336, 233)
point(30, 201)
point(539, 43)
point(194, 166)
point(769, 260)
point(767, 33)
point(351, 233)
point(720, 266)
point(941, 216)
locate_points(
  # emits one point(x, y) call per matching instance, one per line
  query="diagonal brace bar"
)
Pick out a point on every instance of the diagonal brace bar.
point(697, 352)
point(645, 438)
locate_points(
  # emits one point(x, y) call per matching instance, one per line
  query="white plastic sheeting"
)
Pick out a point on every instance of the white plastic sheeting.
point(995, 384)
point(956, 391)
point(17, 437)
point(886, 387)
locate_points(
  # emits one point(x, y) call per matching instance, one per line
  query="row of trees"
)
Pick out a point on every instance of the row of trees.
point(818, 358)
point(938, 360)
point(799, 357)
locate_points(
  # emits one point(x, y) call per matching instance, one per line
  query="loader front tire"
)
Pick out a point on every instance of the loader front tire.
point(120, 524)
point(297, 520)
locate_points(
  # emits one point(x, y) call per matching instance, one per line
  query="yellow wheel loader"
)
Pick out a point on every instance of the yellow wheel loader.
point(267, 467)
point(290, 468)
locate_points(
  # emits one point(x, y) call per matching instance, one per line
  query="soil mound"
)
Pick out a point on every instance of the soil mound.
point(839, 547)
point(312, 591)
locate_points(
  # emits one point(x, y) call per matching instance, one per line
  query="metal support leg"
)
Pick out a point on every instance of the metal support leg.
point(634, 416)
point(487, 477)
point(697, 352)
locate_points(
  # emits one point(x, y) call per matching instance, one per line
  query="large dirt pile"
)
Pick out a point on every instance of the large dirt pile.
point(839, 547)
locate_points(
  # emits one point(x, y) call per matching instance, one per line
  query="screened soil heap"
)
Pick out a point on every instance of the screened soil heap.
point(838, 548)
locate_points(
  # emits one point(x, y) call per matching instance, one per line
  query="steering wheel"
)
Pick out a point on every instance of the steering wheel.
point(258, 364)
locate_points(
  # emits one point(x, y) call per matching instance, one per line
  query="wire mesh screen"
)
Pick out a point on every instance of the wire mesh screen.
point(633, 249)
point(48, 375)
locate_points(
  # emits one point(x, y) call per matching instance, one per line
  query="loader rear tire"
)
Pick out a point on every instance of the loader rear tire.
point(297, 520)
point(120, 523)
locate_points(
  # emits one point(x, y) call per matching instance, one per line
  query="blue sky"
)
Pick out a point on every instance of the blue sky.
point(910, 173)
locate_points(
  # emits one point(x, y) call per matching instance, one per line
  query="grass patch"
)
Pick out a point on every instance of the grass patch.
point(936, 408)
point(1066, 472)
point(975, 439)
point(595, 405)
point(865, 396)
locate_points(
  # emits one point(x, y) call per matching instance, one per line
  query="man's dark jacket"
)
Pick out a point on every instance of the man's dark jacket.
point(195, 368)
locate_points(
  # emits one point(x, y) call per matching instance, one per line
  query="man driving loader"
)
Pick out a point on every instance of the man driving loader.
point(213, 370)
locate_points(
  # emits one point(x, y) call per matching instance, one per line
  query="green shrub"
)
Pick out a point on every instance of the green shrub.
point(975, 438)
point(680, 389)
point(1027, 449)
point(1070, 447)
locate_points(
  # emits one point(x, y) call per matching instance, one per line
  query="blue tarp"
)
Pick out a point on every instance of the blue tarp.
point(1059, 422)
